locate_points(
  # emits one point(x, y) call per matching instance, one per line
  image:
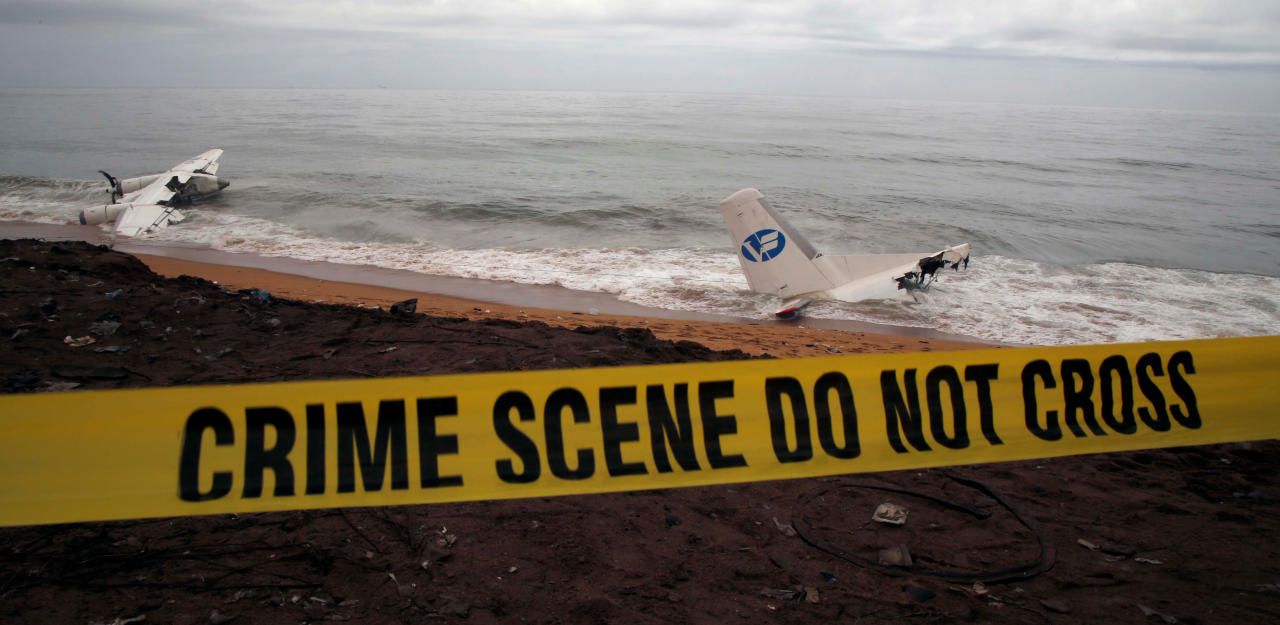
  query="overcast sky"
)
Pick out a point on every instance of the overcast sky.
point(1222, 55)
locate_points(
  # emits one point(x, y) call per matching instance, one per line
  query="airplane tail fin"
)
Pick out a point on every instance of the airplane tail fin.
point(775, 257)
point(778, 260)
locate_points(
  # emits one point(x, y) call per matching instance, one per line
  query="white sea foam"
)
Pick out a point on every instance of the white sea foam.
point(1021, 301)
point(998, 298)
point(670, 278)
point(47, 201)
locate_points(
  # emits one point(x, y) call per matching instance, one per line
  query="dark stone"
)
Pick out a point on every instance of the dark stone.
point(919, 593)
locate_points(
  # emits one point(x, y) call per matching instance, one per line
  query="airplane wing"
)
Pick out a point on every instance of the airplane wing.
point(168, 184)
point(163, 189)
point(149, 208)
point(206, 163)
point(141, 218)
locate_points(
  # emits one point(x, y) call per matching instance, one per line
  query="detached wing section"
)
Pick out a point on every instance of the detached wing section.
point(149, 209)
point(142, 218)
point(163, 189)
point(206, 163)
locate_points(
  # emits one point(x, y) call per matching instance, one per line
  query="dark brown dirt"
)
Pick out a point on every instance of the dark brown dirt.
point(1190, 534)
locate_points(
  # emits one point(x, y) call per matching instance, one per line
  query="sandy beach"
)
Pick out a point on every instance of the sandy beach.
point(759, 338)
point(485, 299)
point(1131, 537)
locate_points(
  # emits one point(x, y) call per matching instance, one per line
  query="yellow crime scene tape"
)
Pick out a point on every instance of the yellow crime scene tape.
point(128, 454)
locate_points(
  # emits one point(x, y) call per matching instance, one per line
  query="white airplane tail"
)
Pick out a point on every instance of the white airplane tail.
point(775, 257)
point(778, 260)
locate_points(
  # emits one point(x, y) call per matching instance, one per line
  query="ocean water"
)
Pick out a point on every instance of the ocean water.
point(1088, 225)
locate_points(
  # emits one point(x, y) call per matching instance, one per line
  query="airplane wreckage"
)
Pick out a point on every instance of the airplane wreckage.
point(775, 257)
point(778, 260)
point(148, 203)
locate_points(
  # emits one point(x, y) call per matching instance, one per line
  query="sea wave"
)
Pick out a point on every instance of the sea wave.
point(663, 250)
point(999, 299)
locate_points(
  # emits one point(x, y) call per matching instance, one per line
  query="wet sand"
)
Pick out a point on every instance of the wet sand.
point(312, 281)
point(758, 338)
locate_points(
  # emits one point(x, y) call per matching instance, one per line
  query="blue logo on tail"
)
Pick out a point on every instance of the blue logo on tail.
point(764, 245)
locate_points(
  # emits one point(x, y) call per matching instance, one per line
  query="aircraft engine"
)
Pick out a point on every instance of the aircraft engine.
point(129, 185)
point(205, 184)
point(101, 214)
point(200, 186)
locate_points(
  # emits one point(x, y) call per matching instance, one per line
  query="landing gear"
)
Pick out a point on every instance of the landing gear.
point(791, 308)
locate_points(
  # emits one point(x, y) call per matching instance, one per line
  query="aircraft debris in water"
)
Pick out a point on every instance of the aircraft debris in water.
point(779, 261)
point(148, 203)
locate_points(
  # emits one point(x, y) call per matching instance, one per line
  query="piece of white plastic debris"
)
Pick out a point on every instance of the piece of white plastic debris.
point(890, 513)
point(1148, 612)
point(785, 528)
point(80, 342)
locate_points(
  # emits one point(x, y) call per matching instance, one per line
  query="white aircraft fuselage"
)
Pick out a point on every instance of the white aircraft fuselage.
point(778, 260)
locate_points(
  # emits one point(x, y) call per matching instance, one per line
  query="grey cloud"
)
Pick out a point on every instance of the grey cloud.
point(711, 19)
point(998, 49)
point(1033, 33)
point(431, 21)
point(133, 16)
point(66, 14)
point(1160, 43)
point(1204, 32)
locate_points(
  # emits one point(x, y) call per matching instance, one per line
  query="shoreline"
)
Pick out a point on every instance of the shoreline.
point(361, 285)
